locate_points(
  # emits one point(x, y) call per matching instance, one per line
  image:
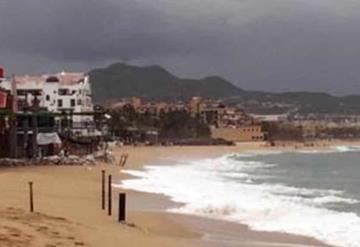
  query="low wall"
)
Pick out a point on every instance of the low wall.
point(243, 134)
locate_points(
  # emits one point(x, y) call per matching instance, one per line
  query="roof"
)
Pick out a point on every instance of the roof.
point(70, 78)
point(63, 77)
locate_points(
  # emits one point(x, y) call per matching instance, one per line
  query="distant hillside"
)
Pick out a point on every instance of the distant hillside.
point(153, 82)
point(305, 102)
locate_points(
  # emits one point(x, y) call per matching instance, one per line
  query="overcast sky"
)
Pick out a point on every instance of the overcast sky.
point(276, 45)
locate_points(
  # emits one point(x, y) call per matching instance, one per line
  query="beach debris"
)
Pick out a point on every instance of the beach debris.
point(50, 160)
point(133, 225)
point(68, 160)
point(12, 162)
point(105, 156)
point(119, 144)
point(123, 159)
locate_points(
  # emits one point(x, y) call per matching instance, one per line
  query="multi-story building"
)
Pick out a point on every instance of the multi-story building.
point(59, 93)
point(135, 102)
point(244, 133)
point(227, 122)
point(196, 106)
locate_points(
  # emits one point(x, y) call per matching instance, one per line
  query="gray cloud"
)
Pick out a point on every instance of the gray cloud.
point(259, 44)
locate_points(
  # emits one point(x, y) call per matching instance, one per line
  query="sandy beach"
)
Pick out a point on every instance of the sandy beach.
point(68, 208)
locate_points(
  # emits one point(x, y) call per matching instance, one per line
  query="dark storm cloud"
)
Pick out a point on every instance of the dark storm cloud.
point(84, 29)
point(259, 44)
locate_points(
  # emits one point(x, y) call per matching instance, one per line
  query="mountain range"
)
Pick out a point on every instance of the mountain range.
point(121, 80)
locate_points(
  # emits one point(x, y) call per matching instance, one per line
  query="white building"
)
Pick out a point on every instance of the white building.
point(270, 117)
point(62, 92)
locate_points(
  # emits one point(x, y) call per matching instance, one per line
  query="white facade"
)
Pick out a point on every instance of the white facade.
point(62, 92)
point(270, 117)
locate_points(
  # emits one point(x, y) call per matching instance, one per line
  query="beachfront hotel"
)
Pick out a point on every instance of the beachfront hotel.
point(63, 92)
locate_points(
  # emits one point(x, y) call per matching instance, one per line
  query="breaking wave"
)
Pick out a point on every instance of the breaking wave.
point(226, 188)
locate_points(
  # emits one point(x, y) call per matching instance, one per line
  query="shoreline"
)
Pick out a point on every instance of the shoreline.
point(73, 192)
point(247, 236)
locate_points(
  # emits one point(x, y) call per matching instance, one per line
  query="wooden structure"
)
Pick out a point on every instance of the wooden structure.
point(21, 129)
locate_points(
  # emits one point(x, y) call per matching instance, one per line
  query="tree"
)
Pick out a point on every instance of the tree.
point(171, 125)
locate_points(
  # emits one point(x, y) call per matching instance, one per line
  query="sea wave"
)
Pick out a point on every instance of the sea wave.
point(204, 187)
point(314, 150)
point(332, 149)
point(347, 148)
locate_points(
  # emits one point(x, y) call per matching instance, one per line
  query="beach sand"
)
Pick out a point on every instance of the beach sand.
point(68, 205)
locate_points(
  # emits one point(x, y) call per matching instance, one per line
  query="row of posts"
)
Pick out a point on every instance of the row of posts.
point(122, 198)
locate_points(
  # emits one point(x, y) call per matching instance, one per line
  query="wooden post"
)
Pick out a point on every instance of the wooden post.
point(109, 196)
point(31, 197)
point(122, 207)
point(121, 159)
point(125, 159)
point(103, 189)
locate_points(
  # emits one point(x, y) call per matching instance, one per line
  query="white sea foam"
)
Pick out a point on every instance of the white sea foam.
point(333, 149)
point(333, 199)
point(347, 148)
point(317, 151)
point(205, 189)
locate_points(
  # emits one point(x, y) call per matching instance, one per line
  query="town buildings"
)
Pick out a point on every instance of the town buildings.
point(226, 122)
point(153, 108)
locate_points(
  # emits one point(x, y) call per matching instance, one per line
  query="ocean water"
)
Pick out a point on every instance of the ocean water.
point(312, 193)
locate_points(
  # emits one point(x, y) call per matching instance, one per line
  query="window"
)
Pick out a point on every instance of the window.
point(21, 92)
point(72, 102)
point(79, 102)
point(47, 97)
point(63, 91)
point(52, 79)
point(60, 103)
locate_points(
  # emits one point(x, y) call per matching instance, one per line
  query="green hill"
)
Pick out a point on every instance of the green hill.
point(153, 82)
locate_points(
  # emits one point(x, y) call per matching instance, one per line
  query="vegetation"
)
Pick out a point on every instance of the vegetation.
point(282, 132)
point(340, 132)
point(179, 124)
point(170, 125)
